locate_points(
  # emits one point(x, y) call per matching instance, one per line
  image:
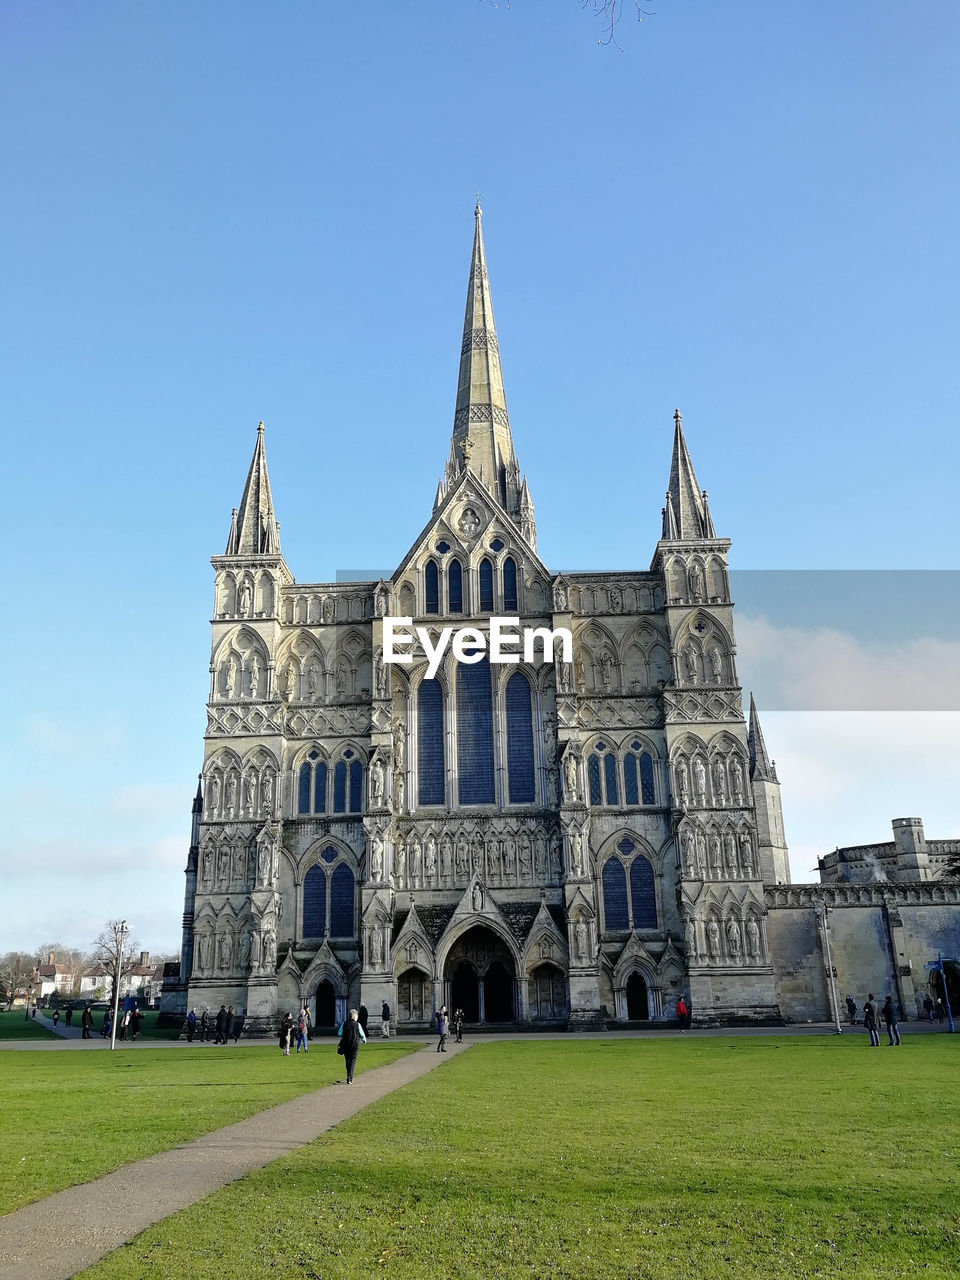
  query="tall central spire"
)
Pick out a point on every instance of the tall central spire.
point(481, 440)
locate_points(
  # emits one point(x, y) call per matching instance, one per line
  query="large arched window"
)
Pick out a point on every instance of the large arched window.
point(315, 903)
point(475, 733)
point(348, 769)
point(602, 775)
point(356, 786)
point(643, 897)
point(509, 585)
point(615, 913)
point(430, 764)
point(486, 586)
point(312, 785)
point(341, 902)
point(431, 579)
point(520, 771)
point(455, 587)
point(638, 784)
point(340, 787)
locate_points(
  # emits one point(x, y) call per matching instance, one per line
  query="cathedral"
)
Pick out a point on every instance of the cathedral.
point(563, 840)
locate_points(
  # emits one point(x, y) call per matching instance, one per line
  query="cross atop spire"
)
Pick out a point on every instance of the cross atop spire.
point(254, 529)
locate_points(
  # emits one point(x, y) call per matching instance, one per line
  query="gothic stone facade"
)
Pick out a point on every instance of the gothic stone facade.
point(546, 843)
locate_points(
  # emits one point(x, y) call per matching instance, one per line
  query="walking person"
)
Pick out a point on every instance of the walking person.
point(941, 1011)
point(229, 1024)
point(220, 1027)
point(237, 1027)
point(682, 1013)
point(69, 1017)
point(204, 1026)
point(870, 1020)
point(56, 1016)
point(107, 1024)
point(351, 1037)
point(363, 1017)
point(286, 1033)
point(928, 1008)
point(443, 1028)
point(134, 1022)
point(851, 1010)
point(86, 1022)
point(890, 1020)
point(302, 1030)
point(385, 1021)
point(458, 1024)
point(191, 1026)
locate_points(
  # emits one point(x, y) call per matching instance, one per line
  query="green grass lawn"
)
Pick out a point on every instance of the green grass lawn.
point(70, 1116)
point(13, 1026)
point(629, 1160)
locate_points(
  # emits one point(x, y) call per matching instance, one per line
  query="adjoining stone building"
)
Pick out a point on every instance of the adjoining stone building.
point(550, 843)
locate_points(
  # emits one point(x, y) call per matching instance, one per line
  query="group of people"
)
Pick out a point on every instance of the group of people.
point(299, 1028)
point(934, 1010)
point(872, 1016)
point(226, 1025)
point(443, 1027)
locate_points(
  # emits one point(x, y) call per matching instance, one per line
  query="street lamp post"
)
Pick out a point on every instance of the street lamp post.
point(120, 932)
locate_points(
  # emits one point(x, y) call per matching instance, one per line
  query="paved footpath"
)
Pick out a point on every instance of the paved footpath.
point(58, 1236)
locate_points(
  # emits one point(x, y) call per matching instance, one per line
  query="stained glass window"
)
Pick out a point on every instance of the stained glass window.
point(648, 793)
point(303, 789)
point(593, 779)
point(432, 586)
point(320, 788)
point(314, 902)
point(519, 740)
point(509, 585)
point(455, 587)
point(615, 895)
point(631, 792)
point(430, 770)
point(356, 786)
point(610, 777)
point(486, 586)
point(341, 902)
point(642, 894)
point(475, 732)
point(340, 787)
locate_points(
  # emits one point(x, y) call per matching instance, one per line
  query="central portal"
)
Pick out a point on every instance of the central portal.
point(482, 978)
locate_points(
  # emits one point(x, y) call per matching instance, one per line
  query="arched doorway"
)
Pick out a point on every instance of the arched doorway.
point(413, 996)
point(482, 977)
point(638, 1006)
point(547, 993)
point(326, 1006)
point(465, 991)
point(953, 986)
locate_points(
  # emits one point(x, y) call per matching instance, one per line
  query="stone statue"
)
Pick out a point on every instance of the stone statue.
point(255, 674)
point(730, 854)
point(238, 866)
point(716, 865)
point(263, 863)
point(719, 782)
point(690, 659)
point(223, 865)
point(683, 786)
point(477, 898)
point(415, 863)
point(688, 844)
point(249, 790)
point(255, 950)
point(313, 680)
point(381, 677)
point(461, 859)
point(563, 670)
point(246, 599)
point(231, 794)
point(376, 782)
point(430, 858)
point(576, 853)
point(225, 951)
point(446, 858)
point(736, 779)
point(605, 663)
point(753, 939)
point(244, 958)
point(570, 776)
point(580, 940)
point(341, 681)
point(716, 665)
point(540, 856)
point(690, 936)
point(579, 672)
point(695, 578)
point(398, 790)
point(700, 780)
point(746, 854)
point(376, 858)
point(476, 854)
point(376, 947)
point(556, 863)
point(526, 860)
point(701, 855)
point(203, 951)
point(289, 682)
point(493, 862)
point(400, 862)
point(382, 601)
point(713, 940)
point(267, 791)
point(398, 745)
point(560, 597)
point(509, 859)
point(616, 600)
point(207, 864)
point(230, 676)
point(213, 795)
point(734, 939)
point(269, 949)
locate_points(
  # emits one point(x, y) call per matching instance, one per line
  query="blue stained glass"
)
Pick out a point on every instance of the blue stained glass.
point(329, 854)
point(455, 587)
point(593, 779)
point(475, 733)
point(432, 584)
point(643, 894)
point(340, 788)
point(646, 779)
point(610, 777)
point(509, 585)
point(496, 545)
point(486, 586)
point(631, 791)
point(443, 546)
point(519, 740)
point(303, 789)
point(314, 902)
point(356, 786)
point(341, 902)
point(626, 846)
point(615, 895)
point(320, 788)
point(430, 771)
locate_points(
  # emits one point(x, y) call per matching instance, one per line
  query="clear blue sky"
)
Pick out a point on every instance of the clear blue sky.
point(218, 213)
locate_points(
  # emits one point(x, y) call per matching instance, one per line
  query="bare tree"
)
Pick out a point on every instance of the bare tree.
point(17, 972)
point(115, 948)
point(609, 14)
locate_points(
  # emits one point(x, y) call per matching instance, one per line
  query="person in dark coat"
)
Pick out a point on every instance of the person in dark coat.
point(107, 1024)
point(851, 1010)
point(351, 1037)
point(56, 1016)
point(890, 1020)
point(229, 1025)
point(286, 1033)
point(385, 1021)
point(204, 1026)
point(941, 1010)
point(134, 1022)
point(220, 1028)
point(191, 1026)
point(69, 1017)
point(928, 1008)
point(458, 1024)
point(362, 1017)
point(86, 1022)
point(443, 1029)
point(870, 1020)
